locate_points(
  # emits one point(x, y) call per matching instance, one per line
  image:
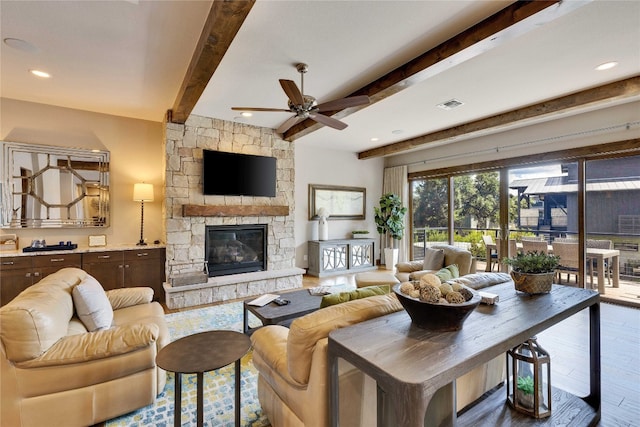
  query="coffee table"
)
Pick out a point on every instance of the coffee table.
point(200, 353)
point(302, 302)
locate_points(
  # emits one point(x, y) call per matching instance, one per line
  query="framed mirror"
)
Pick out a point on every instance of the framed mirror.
point(52, 187)
point(339, 202)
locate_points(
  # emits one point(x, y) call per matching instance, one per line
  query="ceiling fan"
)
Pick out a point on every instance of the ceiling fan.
point(305, 106)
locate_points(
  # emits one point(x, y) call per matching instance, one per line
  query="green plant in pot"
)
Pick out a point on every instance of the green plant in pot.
point(389, 218)
point(533, 272)
point(525, 391)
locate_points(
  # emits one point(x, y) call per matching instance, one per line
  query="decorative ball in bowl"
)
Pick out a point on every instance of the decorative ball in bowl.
point(434, 312)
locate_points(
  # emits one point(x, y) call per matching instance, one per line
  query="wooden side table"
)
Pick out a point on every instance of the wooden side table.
point(200, 353)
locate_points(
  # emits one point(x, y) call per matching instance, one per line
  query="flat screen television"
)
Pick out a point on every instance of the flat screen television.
point(234, 174)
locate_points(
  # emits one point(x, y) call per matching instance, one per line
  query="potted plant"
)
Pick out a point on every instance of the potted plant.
point(360, 234)
point(389, 218)
point(533, 272)
point(524, 391)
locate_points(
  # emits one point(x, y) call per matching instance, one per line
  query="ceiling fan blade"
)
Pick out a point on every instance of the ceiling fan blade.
point(339, 104)
point(287, 124)
point(292, 91)
point(258, 109)
point(328, 121)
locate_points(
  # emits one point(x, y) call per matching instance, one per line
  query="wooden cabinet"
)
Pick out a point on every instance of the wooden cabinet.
point(129, 268)
point(107, 267)
point(20, 272)
point(327, 257)
point(145, 267)
point(113, 269)
point(15, 276)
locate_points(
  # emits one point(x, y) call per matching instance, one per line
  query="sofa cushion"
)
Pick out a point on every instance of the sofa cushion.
point(92, 305)
point(307, 330)
point(37, 318)
point(365, 292)
point(481, 280)
point(433, 259)
point(447, 273)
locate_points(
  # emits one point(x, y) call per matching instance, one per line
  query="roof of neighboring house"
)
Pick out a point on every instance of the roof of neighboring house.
point(561, 184)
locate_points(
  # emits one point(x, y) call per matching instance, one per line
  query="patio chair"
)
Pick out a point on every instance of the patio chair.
point(569, 262)
point(493, 255)
point(534, 245)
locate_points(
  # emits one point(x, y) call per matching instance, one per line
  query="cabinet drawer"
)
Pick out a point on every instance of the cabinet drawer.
point(100, 257)
point(65, 260)
point(15, 263)
point(141, 254)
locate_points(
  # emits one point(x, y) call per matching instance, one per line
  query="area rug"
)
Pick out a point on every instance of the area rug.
point(218, 385)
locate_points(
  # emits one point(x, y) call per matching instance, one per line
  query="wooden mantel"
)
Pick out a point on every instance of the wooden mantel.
point(237, 210)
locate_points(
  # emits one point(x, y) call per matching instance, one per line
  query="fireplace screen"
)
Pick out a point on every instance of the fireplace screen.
point(233, 249)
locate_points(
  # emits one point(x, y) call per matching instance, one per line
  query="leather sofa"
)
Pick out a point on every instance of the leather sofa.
point(56, 373)
point(292, 368)
point(413, 270)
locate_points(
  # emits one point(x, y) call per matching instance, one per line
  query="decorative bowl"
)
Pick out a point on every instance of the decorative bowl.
point(437, 316)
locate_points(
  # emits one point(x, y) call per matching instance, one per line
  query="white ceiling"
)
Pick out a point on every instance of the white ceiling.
point(128, 58)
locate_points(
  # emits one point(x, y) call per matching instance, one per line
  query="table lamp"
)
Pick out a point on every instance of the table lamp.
point(142, 193)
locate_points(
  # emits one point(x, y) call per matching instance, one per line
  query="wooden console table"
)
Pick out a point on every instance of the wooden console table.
point(413, 366)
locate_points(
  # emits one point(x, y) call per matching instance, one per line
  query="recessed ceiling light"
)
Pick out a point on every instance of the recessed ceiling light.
point(450, 104)
point(606, 66)
point(246, 114)
point(374, 139)
point(40, 73)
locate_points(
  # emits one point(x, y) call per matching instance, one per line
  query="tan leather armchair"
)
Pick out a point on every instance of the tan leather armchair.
point(413, 270)
point(292, 367)
point(55, 373)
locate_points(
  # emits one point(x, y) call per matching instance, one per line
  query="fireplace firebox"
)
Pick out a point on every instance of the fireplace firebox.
point(233, 249)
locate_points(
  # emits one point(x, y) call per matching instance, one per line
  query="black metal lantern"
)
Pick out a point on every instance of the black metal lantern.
point(529, 379)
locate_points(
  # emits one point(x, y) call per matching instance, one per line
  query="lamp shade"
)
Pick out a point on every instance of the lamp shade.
point(142, 192)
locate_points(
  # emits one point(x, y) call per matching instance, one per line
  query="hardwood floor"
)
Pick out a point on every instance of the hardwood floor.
point(567, 343)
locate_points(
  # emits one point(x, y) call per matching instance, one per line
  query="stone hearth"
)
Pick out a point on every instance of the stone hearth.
point(185, 225)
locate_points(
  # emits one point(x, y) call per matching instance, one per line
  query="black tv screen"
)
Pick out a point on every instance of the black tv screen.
point(233, 174)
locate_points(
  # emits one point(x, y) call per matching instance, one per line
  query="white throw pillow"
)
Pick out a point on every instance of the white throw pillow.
point(92, 305)
point(433, 259)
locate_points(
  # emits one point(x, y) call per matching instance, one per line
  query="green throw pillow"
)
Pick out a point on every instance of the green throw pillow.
point(341, 297)
point(447, 273)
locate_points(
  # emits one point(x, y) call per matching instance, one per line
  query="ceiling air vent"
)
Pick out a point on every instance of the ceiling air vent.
point(450, 104)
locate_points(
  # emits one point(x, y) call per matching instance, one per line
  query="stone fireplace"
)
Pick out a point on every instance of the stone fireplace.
point(234, 249)
point(190, 214)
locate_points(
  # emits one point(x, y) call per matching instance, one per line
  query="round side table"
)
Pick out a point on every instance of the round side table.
point(200, 353)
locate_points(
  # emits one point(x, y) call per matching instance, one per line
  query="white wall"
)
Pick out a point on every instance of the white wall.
point(578, 130)
point(333, 167)
point(136, 152)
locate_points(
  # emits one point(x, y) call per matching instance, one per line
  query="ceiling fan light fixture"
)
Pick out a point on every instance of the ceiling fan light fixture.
point(450, 104)
point(246, 114)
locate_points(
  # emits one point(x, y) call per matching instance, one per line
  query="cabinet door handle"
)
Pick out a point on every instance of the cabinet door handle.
point(8, 263)
point(36, 273)
point(120, 266)
point(27, 275)
point(57, 259)
point(104, 256)
point(126, 266)
point(143, 254)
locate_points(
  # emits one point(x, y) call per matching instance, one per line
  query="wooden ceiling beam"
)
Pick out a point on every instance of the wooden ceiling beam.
point(623, 89)
point(514, 20)
point(224, 20)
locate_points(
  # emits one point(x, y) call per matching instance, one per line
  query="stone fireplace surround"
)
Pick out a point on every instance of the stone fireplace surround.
point(187, 211)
